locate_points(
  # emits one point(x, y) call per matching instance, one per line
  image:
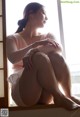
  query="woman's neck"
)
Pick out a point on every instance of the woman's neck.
point(29, 33)
point(30, 30)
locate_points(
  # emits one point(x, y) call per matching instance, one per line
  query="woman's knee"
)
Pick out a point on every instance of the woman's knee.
point(40, 57)
point(56, 57)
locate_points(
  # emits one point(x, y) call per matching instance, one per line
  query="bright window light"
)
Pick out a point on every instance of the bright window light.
point(14, 12)
point(71, 27)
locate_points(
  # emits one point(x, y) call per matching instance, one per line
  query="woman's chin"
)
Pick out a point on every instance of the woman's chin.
point(41, 26)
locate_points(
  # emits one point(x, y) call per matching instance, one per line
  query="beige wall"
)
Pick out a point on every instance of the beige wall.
point(53, 112)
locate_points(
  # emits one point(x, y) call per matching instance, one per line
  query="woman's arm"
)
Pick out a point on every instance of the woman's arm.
point(15, 55)
point(51, 38)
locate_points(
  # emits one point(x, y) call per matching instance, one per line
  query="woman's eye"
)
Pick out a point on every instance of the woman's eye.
point(44, 12)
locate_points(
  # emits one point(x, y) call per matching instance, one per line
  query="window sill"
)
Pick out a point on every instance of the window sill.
point(16, 108)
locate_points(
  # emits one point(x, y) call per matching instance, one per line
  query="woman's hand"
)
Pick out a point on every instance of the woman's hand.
point(27, 60)
point(51, 44)
point(44, 42)
point(49, 41)
point(56, 45)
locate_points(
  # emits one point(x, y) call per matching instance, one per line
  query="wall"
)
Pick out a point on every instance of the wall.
point(53, 112)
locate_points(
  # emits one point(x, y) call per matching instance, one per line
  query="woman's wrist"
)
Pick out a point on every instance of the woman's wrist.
point(35, 44)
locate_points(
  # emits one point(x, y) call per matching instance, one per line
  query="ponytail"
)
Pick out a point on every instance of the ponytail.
point(30, 8)
point(21, 24)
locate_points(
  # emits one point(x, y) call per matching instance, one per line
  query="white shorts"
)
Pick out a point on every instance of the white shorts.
point(13, 78)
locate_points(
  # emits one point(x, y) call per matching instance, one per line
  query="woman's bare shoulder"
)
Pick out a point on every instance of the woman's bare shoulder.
point(11, 39)
point(10, 36)
point(50, 35)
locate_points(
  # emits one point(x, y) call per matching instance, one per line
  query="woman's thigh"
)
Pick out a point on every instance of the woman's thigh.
point(29, 88)
point(46, 98)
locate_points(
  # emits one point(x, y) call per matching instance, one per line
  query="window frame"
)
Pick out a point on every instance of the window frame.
point(4, 100)
point(61, 26)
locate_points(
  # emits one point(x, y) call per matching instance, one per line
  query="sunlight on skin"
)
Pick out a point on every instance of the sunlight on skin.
point(60, 88)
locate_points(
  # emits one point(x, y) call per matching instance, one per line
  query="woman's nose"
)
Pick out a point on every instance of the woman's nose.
point(46, 18)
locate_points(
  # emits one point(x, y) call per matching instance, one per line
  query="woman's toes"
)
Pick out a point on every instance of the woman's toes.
point(75, 100)
point(67, 104)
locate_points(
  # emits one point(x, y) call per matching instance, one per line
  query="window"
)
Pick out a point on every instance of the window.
point(1, 53)
point(3, 63)
point(71, 29)
point(63, 22)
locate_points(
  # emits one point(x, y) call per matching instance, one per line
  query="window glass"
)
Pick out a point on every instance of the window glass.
point(1, 55)
point(0, 7)
point(71, 26)
point(1, 83)
point(1, 38)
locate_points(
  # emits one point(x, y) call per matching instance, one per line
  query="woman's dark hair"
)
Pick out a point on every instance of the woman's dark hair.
point(32, 7)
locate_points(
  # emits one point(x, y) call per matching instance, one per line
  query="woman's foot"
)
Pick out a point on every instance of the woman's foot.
point(66, 103)
point(75, 99)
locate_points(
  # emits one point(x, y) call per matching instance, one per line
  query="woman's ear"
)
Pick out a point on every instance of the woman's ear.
point(31, 16)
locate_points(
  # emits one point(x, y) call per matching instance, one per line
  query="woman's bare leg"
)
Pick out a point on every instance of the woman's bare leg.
point(30, 76)
point(62, 74)
point(45, 80)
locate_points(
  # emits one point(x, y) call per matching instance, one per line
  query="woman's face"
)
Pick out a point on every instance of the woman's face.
point(39, 18)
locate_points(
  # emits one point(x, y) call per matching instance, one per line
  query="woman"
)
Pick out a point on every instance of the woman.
point(37, 63)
